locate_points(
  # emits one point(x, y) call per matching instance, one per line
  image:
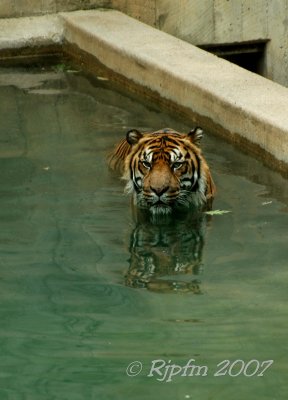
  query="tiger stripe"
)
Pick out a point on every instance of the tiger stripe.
point(165, 170)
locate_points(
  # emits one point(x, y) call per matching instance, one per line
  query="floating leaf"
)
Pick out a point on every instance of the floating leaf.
point(60, 67)
point(217, 212)
point(265, 203)
point(64, 68)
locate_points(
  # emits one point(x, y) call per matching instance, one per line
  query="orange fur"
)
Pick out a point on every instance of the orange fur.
point(160, 176)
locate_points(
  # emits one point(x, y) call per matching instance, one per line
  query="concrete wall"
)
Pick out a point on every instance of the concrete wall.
point(210, 22)
point(200, 22)
point(143, 10)
point(23, 8)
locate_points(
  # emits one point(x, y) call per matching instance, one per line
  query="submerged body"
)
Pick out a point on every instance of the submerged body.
point(165, 170)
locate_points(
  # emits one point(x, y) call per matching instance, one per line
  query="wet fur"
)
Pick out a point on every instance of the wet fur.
point(147, 162)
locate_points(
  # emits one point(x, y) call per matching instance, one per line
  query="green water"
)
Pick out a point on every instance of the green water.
point(75, 310)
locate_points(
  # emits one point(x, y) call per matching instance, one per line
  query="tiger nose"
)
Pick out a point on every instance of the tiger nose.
point(159, 190)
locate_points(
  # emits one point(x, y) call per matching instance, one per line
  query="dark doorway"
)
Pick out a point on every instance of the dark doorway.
point(247, 55)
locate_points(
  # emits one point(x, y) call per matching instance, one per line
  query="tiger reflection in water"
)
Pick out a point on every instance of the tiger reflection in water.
point(166, 254)
point(167, 174)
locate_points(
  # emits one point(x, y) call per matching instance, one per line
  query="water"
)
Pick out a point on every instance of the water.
point(76, 309)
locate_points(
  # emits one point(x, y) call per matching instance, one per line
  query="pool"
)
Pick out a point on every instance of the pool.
point(81, 316)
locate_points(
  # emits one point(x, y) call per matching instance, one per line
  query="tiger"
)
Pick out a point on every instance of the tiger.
point(164, 170)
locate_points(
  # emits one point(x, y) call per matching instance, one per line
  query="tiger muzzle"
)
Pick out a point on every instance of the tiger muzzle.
point(161, 185)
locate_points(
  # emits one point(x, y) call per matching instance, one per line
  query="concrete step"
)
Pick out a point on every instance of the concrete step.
point(17, 33)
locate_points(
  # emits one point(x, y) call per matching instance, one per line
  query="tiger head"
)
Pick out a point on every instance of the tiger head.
point(165, 170)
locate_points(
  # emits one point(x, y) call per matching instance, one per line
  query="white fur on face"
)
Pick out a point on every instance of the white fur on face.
point(186, 196)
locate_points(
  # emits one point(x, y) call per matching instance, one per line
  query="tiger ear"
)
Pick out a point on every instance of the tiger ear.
point(133, 136)
point(196, 135)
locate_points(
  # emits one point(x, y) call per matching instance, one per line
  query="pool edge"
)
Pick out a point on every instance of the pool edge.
point(262, 132)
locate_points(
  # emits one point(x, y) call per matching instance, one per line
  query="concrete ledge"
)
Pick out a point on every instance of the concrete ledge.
point(236, 100)
point(31, 40)
point(18, 33)
point(242, 106)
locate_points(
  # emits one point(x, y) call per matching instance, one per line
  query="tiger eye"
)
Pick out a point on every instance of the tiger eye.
point(146, 164)
point(177, 165)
